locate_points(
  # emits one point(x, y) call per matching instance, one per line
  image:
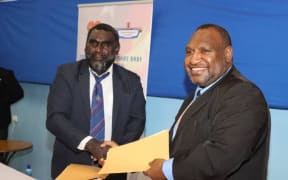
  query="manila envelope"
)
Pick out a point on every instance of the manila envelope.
point(135, 156)
point(80, 172)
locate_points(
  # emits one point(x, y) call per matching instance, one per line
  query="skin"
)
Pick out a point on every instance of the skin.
point(207, 58)
point(109, 144)
point(101, 49)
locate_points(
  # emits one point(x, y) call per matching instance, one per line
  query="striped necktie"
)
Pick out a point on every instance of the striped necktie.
point(97, 122)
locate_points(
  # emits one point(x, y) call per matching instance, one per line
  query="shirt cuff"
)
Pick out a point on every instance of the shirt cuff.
point(167, 169)
point(83, 143)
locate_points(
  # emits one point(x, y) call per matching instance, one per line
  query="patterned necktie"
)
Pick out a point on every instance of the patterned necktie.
point(97, 123)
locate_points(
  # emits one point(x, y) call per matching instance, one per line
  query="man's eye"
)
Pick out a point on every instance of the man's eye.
point(190, 52)
point(93, 42)
point(105, 44)
point(205, 51)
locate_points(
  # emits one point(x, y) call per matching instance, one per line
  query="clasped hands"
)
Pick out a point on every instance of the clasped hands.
point(99, 151)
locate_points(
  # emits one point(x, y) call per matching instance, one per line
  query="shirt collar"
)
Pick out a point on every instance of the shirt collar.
point(203, 90)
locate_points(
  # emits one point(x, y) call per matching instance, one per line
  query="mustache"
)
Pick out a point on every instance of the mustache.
point(99, 65)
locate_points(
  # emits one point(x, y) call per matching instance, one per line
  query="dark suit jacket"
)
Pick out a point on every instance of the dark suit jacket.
point(10, 92)
point(224, 135)
point(68, 111)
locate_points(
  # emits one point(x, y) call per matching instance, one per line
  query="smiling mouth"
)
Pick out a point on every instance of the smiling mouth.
point(198, 69)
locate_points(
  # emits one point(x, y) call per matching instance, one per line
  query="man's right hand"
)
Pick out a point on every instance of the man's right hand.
point(93, 146)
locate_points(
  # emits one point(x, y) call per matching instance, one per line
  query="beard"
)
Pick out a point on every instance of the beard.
point(100, 66)
point(99, 62)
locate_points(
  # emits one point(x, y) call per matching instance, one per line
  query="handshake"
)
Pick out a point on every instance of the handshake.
point(98, 149)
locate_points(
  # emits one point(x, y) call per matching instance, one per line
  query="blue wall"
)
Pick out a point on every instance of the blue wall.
point(41, 33)
point(31, 113)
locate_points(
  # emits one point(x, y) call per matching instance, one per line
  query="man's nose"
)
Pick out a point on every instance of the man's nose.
point(99, 47)
point(197, 55)
point(194, 58)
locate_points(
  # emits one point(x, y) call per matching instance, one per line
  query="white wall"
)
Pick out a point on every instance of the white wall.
point(31, 113)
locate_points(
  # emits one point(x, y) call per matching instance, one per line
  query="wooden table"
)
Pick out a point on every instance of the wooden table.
point(9, 147)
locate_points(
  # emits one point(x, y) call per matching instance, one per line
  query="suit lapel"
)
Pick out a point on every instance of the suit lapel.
point(192, 109)
point(116, 96)
point(120, 91)
point(117, 91)
point(83, 77)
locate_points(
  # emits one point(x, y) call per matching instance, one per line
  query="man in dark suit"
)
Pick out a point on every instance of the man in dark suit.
point(10, 92)
point(224, 133)
point(70, 96)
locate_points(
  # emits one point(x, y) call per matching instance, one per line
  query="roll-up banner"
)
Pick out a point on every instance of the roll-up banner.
point(133, 20)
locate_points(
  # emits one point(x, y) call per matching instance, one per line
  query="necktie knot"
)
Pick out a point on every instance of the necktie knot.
point(197, 93)
point(100, 78)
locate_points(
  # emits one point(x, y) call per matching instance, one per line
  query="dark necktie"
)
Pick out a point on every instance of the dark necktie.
point(197, 93)
point(97, 123)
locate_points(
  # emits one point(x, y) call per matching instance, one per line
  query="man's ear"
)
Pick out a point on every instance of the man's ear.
point(117, 49)
point(228, 54)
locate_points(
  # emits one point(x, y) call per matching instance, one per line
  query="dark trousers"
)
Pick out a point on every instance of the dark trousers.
point(120, 176)
point(4, 133)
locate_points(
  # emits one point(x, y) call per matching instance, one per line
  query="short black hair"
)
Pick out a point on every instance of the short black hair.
point(105, 27)
point(223, 32)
